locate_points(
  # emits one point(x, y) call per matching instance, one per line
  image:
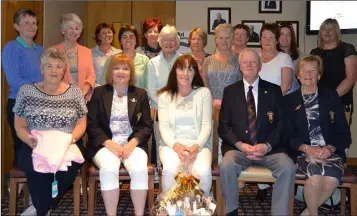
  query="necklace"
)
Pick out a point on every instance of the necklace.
point(308, 98)
point(70, 54)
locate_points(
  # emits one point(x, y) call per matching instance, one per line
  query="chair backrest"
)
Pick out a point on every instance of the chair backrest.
point(215, 141)
point(153, 114)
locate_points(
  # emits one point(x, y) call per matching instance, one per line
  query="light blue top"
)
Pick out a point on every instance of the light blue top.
point(21, 64)
point(99, 60)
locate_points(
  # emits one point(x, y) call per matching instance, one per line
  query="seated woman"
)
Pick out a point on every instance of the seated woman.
point(185, 122)
point(50, 104)
point(317, 128)
point(119, 127)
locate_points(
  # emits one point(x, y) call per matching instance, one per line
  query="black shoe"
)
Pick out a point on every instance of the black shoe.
point(233, 213)
point(262, 195)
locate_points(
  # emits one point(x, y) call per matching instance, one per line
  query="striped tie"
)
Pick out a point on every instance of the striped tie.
point(252, 119)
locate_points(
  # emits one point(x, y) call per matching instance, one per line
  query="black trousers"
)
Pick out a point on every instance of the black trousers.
point(40, 184)
point(11, 120)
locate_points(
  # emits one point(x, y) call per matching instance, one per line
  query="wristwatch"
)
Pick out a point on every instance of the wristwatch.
point(268, 146)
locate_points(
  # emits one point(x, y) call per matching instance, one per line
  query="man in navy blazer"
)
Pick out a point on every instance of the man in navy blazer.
point(253, 138)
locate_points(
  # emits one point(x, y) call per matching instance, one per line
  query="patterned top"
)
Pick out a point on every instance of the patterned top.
point(149, 51)
point(73, 67)
point(50, 112)
point(219, 75)
point(119, 119)
point(311, 103)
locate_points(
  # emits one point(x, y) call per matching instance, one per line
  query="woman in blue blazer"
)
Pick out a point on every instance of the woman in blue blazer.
point(318, 132)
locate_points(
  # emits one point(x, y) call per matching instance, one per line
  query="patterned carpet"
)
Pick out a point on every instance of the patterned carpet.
point(249, 206)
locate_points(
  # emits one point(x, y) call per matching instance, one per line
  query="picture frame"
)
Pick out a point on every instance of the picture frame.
point(270, 6)
point(254, 26)
point(216, 16)
point(295, 25)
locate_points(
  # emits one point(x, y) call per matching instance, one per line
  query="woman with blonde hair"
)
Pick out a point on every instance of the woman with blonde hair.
point(221, 69)
point(317, 130)
point(339, 61)
point(80, 69)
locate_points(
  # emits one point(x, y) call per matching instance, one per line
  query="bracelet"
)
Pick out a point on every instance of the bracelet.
point(198, 146)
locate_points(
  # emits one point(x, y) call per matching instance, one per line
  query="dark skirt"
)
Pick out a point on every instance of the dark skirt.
point(332, 166)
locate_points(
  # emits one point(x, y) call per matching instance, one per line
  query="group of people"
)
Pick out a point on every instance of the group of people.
point(266, 117)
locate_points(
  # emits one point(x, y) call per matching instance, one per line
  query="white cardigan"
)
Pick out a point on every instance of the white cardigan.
point(202, 107)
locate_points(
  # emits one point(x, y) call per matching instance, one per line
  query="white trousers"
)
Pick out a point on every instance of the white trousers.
point(201, 168)
point(109, 165)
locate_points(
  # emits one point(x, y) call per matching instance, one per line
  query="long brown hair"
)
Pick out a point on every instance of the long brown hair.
point(293, 45)
point(181, 62)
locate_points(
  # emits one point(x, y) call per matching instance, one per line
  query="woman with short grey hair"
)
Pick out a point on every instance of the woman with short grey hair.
point(80, 69)
point(44, 106)
point(21, 62)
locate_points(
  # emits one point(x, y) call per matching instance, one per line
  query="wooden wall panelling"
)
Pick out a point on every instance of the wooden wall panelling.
point(7, 34)
point(106, 11)
point(164, 10)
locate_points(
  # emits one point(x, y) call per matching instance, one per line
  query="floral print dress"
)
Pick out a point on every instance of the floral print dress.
point(310, 166)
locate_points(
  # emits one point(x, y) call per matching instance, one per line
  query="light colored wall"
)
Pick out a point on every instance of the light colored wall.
point(191, 14)
point(52, 14)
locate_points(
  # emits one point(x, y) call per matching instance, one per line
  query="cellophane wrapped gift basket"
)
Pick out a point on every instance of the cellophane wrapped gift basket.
point(185, 198)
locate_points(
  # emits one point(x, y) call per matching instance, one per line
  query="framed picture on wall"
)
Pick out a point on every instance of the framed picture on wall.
point(217, 16)
point(294, 25)
point(254, 27)
point(270, 6)
point(116, 26)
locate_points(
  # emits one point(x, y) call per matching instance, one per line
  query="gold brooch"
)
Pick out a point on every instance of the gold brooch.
point(298, 107)
point(270, 115)
point(332, 116)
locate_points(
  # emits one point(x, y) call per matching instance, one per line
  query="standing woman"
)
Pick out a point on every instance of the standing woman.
point(80, 70)
point(288, 44)
point(103, 37)
point(21, 63)
point(317, 130)
point(150, 44)
point(241, 38)
point(277, 66)
point(198, 40)
point(221, 69)
point(119, 127)
point(339, 62)
point(129, 40)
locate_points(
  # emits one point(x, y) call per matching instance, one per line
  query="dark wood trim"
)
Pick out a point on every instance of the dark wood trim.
point(352, 161)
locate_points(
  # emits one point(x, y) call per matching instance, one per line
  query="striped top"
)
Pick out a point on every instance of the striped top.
point(21, 64)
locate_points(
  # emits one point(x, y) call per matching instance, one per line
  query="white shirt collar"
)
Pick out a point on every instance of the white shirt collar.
point(255, 84)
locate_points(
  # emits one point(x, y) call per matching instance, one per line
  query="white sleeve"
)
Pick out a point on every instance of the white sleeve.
point(166, 130)
point(206, 124)
point(152, 92)
point(287, 61)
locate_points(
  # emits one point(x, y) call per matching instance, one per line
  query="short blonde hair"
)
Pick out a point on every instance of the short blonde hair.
point(169, 30)
point(330, 24)
point(224, 27)
point(120, 59)
point(70, 17)
point(309, 59)
point(54, 54)
point(201, 33)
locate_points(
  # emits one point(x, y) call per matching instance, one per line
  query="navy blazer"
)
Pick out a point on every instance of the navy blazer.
point(99, 112)
point(333, 123)
point(233, 117)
